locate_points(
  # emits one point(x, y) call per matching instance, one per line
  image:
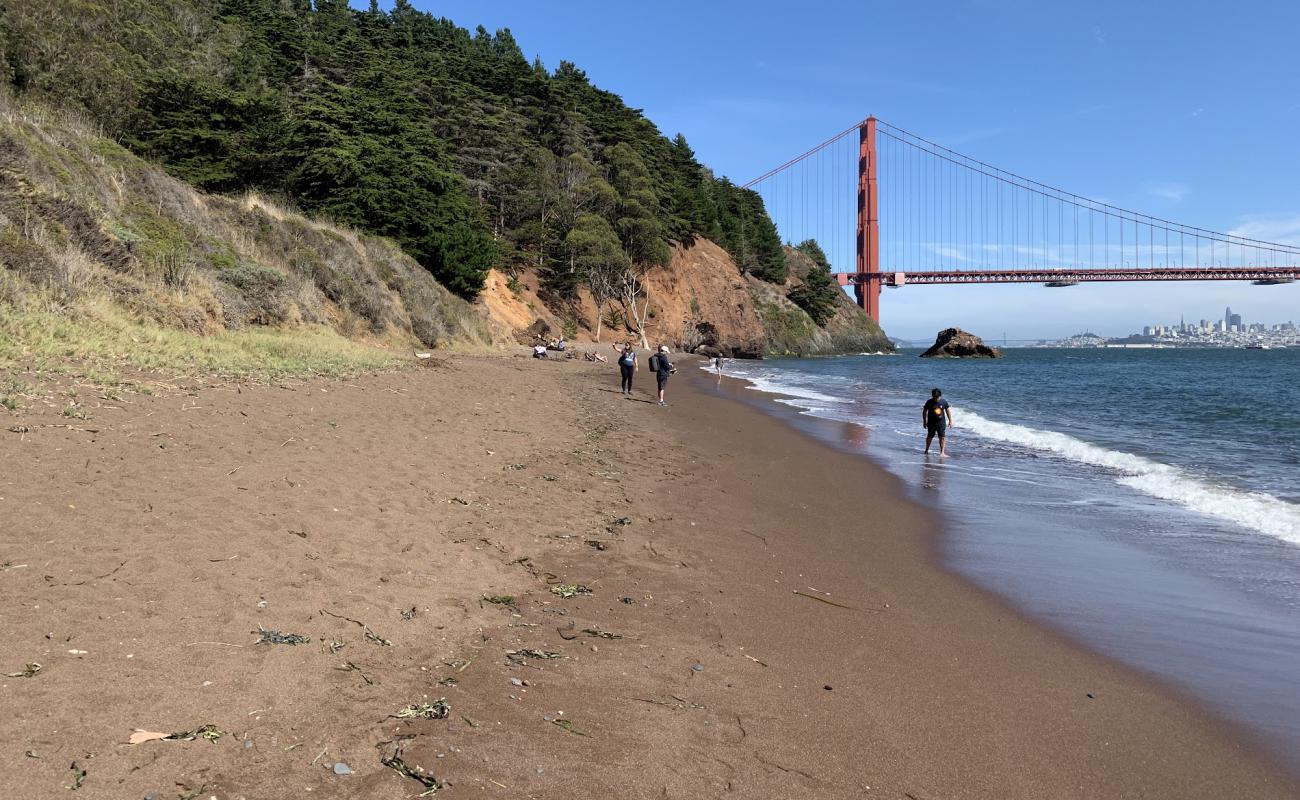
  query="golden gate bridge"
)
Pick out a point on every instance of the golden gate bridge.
point(905, 210)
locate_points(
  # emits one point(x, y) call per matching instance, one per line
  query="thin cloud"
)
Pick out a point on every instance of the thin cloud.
point(1280, 229)
point(1098, 36)
point(1176, 192)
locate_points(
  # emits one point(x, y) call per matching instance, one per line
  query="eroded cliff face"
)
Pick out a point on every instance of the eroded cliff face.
point(700, 302)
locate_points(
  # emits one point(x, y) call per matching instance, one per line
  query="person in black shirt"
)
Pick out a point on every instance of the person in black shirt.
point(662, 368)
point(936, 417)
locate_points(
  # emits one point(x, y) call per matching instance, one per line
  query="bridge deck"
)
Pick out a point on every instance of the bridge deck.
point(900, 278)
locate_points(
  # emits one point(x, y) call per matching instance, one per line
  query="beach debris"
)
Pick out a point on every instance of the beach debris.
point(823, 600)
point(369, 635)
point(567, 725)
point(516, 682)
point(459, 501)
point(341, 769)
point(827, 687)
point(755, 660)
point(549, 478)
point(697, 668)
point(500, 599)
point(622, 522)
point(569, 590)
point(261, 604)
point(598, 544)
point(209, 732)
point(569, 634)
point(631, 601)
point(679, 702)
point(522, 655)
point(19, 429)
point(513, 466)
point(435, 710)
point(78, 776)
point(394, 762)
point(276, 637)
point(28, 671)
point(408, 614)
point(348, 666)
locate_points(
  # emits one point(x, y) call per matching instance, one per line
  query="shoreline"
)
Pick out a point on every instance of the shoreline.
point(746, 629)
point(833, 437)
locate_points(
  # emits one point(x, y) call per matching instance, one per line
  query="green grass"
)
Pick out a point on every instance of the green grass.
point(101, 340)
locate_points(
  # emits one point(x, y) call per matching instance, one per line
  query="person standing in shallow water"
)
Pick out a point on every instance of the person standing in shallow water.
point(626, 365)
point(936, 416)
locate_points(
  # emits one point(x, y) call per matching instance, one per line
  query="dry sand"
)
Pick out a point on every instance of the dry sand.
point(145, 547)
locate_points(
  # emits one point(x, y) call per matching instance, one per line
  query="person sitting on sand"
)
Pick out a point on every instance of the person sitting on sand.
point(662, 368)
point(936, 416)
point(590, 356)
point(626, 364)
point(539, 351)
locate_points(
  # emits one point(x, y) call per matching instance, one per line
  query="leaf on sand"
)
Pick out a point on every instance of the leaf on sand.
point(436, 710)
point(568, 726)
point(823, 600)
point(396, 764)
point(520, 655)
point(275, 637)
point(209, 732)
point(569, 590)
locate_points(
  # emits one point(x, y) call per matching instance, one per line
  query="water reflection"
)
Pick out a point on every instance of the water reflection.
point(932, 473)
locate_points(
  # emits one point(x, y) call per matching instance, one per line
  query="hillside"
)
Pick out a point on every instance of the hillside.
point(112, 254)
point(528, 189)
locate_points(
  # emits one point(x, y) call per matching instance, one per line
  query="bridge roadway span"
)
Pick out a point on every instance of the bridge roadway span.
point(1266, 275)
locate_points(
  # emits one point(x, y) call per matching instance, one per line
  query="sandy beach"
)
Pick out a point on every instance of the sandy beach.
point(614, 600)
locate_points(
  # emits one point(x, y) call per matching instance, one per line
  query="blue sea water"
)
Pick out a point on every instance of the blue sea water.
point(1146, 502)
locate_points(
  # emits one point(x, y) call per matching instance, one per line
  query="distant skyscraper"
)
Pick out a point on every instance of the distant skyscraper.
point(1227, 316)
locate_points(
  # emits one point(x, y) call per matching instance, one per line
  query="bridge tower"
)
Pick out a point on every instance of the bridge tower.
point(867, 289)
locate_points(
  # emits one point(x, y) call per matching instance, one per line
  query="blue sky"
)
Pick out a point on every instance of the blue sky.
point(1185, 110)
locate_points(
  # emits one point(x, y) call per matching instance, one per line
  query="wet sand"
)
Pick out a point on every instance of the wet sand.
point(766, 618)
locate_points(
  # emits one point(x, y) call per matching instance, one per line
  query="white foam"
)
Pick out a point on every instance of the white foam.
point(1254, 510)
point(763, 384)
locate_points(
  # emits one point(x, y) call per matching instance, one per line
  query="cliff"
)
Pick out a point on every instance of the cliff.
point(699, 302)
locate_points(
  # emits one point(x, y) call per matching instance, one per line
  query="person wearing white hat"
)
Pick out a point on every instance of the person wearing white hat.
point(662, 368)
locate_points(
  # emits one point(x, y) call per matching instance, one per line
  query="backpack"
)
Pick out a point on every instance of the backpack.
point(654, 362)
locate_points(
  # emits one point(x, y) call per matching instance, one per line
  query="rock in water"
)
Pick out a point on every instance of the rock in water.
point(957, 343)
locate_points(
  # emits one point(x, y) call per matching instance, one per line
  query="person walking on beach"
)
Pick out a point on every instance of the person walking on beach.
point(936, 416)
point(662, 368)
point(626, 365)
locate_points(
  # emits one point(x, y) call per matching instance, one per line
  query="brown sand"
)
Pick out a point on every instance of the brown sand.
point(147, 538)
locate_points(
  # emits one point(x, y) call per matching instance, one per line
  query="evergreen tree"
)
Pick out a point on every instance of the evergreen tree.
point(818, 295)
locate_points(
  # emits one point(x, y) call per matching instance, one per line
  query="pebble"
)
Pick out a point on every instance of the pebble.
point(342, 769)
point(151, 796)
point(516, 682)
point(697, 667)
point(248, 744)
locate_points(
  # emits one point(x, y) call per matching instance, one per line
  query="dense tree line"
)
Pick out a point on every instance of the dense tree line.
point(396, 122)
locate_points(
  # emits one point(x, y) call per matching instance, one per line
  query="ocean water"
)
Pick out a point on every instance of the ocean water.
point(1146, 502)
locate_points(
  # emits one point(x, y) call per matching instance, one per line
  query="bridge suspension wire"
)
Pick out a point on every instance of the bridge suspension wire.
point(941, 211)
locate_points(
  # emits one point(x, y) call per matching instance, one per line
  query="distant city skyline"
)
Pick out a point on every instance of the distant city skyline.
point(753, 84)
